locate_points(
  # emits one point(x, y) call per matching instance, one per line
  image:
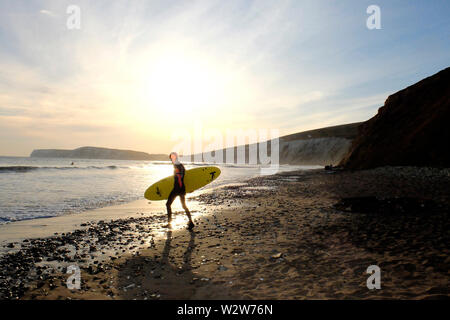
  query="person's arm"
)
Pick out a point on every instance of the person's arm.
point(179, 175)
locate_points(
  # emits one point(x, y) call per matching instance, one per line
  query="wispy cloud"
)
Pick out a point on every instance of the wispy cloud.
point(293, 65)
point(47, 13)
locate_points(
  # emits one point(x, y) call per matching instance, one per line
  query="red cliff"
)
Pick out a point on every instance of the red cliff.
point(411, 129)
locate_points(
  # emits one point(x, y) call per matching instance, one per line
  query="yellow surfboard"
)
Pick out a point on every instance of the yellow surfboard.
point(193, 179)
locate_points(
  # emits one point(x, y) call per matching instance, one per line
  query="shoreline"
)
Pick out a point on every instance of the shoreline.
point(42, 227)
point(294, 235)
point(14, 232)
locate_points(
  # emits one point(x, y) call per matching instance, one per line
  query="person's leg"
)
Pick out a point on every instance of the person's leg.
point(172, 196)
point(183, 203)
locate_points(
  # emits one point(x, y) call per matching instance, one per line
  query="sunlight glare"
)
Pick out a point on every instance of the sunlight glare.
point(182, 85)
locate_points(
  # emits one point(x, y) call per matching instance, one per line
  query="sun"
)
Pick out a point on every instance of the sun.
point(183, 85)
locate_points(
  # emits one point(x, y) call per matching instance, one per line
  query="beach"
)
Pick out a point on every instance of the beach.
point(295, 235)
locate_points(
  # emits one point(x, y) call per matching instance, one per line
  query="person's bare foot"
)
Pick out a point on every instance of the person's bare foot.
point(191, 225)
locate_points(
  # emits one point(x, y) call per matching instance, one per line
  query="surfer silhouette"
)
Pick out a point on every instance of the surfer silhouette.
point(179, 189)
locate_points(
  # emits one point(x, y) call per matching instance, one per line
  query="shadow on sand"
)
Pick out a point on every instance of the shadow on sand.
point(169, 276)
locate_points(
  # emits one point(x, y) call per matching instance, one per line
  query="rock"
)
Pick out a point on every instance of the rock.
point(277, 255)
point(130, 286)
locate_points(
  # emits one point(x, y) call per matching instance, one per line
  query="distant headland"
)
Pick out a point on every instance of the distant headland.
point(96, 153)
point(314, 147)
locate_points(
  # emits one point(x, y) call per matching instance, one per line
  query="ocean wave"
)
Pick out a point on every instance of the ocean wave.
point(224, 165)
point(21, 169)
point(17, 169)
point(159, 163)
point(208, 164)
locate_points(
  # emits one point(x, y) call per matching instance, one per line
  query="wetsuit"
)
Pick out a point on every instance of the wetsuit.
point(179, 189)
point(178, 181)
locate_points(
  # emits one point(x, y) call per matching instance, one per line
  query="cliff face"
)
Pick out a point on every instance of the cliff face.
point(314, 147)
point(318, 151)
point(97, 153)
point(322, 146)
point(412, 128)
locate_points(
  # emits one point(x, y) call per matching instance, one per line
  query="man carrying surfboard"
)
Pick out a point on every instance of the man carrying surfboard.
point(179, 189)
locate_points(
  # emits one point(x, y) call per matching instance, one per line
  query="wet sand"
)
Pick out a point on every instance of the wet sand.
point(296, 235)
point(17, 231)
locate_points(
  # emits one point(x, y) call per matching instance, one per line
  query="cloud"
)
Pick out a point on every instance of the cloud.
point(47, 13)
point(293, 65)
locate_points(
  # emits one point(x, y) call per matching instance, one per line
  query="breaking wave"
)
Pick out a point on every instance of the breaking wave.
point(21, 169)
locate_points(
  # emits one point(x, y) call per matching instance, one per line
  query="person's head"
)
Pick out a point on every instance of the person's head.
point(174, 157)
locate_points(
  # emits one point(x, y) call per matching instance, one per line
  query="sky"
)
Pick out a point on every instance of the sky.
point(136, 73)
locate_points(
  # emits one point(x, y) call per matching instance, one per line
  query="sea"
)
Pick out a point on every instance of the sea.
point(32, 188)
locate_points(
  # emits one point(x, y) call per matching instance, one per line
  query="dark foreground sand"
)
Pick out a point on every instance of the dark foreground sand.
point(297, 235)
